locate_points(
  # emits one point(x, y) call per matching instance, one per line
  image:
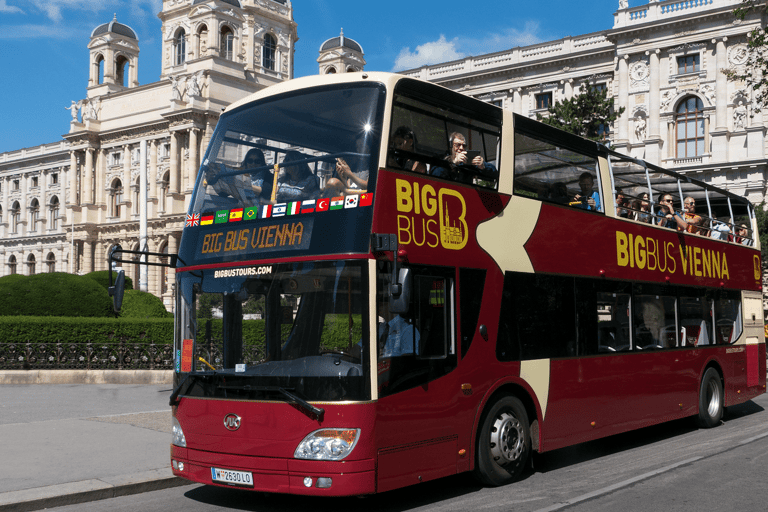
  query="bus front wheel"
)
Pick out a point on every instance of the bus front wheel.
point(710, 399)
point(504, 442)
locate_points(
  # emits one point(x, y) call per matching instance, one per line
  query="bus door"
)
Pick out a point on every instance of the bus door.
point(417, 349)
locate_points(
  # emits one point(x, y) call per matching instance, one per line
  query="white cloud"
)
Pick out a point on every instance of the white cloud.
point(4, 7)
point(441, 50)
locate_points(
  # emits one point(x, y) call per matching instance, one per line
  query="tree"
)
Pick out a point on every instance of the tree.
point(588, 114)
point(754, 71)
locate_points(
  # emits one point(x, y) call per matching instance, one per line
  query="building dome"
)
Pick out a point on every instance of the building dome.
point(115, 28)
point(230, 2)
point(341, 42)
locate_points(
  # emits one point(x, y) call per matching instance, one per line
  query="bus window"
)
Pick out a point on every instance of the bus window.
point(472, 283)
point(728, 323)
point(418, 346)
point(695, 320)
point(654, 322)
point(613, 322)
point(425, 129)
point(526, 329)
point(325, 131)
point(555, 174)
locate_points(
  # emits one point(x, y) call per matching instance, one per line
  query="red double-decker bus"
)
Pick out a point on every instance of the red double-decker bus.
point(382, 282)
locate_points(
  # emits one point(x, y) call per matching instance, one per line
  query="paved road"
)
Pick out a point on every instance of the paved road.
point(672, 467)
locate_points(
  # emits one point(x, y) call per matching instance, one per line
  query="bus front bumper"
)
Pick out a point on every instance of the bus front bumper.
point(278, 475)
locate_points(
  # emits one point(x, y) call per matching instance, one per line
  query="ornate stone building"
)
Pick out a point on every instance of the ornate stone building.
point(64, 205)
point(663, 62)
point(341, 55)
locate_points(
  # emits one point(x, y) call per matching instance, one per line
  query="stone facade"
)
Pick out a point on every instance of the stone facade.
point(63, 206)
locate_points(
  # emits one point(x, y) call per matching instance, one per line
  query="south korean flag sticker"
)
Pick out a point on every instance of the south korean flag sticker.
point(351, 201)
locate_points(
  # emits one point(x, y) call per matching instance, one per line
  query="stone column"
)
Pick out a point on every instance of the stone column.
point(623, 121)
point(192, 164)
point(101, 176)
point(174, 178)
point(517, 100)
point(72, 178)
point(152, 178)
point(99, 260)
point(87, 189)
point(654, 142)
point(721, 109)
point(125, 212)
point(87, 256)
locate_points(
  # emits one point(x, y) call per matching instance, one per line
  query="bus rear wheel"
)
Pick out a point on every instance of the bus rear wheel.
point(710, 399)
point(504, 442)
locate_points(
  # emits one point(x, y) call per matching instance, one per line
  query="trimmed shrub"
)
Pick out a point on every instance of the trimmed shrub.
point(102, 277)
point(54, 294)
point(25, 329)
point(138, 304)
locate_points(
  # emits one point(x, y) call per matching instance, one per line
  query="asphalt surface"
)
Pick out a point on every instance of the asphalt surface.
point(72, 443)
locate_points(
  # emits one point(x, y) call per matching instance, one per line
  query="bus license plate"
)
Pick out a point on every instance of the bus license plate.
point(228, 476)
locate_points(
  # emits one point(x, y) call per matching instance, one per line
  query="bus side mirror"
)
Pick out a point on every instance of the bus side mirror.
point(400, 293)
point(117, 291)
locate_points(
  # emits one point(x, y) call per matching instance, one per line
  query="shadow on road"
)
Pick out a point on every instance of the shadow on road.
point(434, 492)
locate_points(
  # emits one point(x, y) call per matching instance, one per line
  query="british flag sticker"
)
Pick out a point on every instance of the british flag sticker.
point(192, 220)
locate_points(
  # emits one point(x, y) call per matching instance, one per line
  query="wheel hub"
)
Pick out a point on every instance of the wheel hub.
point(507, 438)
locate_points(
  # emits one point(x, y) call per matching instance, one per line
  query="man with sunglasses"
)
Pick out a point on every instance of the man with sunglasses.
point(459, 165)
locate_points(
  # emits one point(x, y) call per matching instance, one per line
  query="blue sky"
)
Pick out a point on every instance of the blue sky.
point(44, 55)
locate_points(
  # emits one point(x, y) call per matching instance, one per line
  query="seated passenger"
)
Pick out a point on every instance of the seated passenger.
point(333, 188)
point(589, 199)
point(642, 209)
point(622, 204)
point(691, 221)
point(404, 139)
point(559, 193)
point(246, 189)
point(354, 182)
point(396, 335)
point(743, 235)
point(720, 230)
point(458, 163)
point(667, 217)
point(263, 180)
point(298, 182)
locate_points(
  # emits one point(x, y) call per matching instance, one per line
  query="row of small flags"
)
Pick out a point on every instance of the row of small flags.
point(279, 210)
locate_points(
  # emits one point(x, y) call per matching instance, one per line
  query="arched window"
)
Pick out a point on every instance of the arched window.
point(34, 214)
point(202, 40)
point(12, 264)
point(331, 71)
point(163, 270)
point(179, 47)
point(350, 69)
point(121, 64)
point(117, 197)
point(50, 262)
point(269, 50)
point(99, 71)
point(53, 212)
point(689, 127)
point(15, 217)
point(31, 265)
point(227, 43)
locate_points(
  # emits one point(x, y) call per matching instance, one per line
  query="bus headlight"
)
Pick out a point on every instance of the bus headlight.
point(177, 435)
point(328, 444)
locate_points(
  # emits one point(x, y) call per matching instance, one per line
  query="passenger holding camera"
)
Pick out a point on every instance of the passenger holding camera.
point(588, 199)
point(459, 159)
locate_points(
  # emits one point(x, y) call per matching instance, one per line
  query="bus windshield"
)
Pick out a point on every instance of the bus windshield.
point(298, 327)
point(319, 132)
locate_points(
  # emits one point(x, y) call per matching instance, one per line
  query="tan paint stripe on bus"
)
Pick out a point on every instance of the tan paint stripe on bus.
point(536, 374)
point(503, 236)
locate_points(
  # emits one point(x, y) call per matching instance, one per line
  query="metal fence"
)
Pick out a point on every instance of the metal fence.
point(108, 356)
point(85, 356)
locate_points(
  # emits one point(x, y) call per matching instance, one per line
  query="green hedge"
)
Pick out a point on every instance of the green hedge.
point(138, 304)
point(54, 294)
point(25, 329)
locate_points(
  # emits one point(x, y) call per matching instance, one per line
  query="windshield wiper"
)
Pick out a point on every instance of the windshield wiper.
point(292, 398)
point(173, 400)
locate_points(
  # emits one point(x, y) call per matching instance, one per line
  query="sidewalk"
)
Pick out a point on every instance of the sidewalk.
point(71, 443)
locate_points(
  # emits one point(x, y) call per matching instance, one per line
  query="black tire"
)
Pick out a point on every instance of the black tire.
point(503, 442)
point(711, 399)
